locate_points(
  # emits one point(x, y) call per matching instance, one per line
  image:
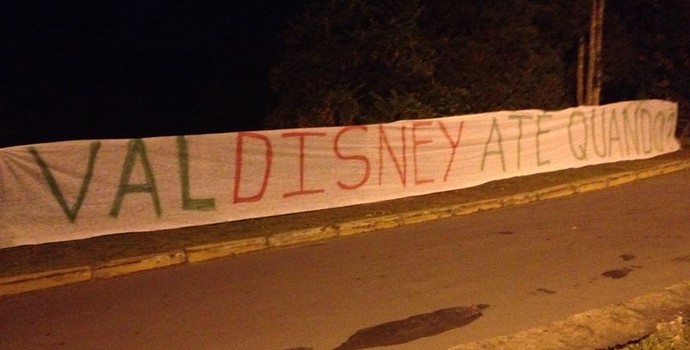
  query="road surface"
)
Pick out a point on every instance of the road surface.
point(530, 264)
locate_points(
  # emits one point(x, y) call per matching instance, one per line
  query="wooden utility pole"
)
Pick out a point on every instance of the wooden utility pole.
point(595, 47)
point(589, 86)
point(581, 95)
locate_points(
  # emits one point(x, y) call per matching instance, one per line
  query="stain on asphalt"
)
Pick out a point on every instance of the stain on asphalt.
point(627, 257)
point(414, 327)
point(684, 258)
point(616, 274)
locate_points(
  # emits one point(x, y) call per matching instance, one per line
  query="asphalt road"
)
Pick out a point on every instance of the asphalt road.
point(531, 264)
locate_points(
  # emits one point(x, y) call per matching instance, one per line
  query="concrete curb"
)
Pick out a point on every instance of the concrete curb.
point(140, 263)
point(48, 279)
point(43, 280)
point(367, 225)
point(598, 329)
point(302, 236)
point(223, 249)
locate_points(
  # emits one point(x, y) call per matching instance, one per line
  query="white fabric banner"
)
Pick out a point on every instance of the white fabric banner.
point(78, 189)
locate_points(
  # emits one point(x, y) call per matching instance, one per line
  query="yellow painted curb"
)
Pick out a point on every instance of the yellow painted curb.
point(676, 166)
point(420, 216)
point(220, 250)
point(43, 280)
point(647, 173)
point(469, 208)
point(518, 199)
point(367, 225)
point(139, 263)
point(555, 192)
point(593, 184)
point(302, 236)
point(620, 178)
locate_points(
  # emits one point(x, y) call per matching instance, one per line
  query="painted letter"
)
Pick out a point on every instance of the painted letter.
point(301, 136)
point(453, 144)
point(268, 159)
point(401, 168)
point(72, 211)
point(189, 203)
point(136, 148)
point(643, 113)
point(582, 155)
point(415, 143)
point(360, 158)
point(494, 126)
point(631, 131)
point(671, 121)
point(658, 134)
point(613, 125)
point(593, 125)
point(519, 145)
point(539, 133)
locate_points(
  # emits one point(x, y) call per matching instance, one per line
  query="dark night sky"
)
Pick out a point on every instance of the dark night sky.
point(136, 68)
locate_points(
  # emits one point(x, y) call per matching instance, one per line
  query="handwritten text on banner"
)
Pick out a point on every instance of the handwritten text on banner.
point(77, 189)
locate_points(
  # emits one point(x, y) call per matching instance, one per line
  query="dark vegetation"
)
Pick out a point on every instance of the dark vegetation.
point(84, 69)
point(366, 61)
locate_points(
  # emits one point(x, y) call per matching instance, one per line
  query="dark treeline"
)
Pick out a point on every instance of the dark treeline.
point(84, 69)
point(364, 61)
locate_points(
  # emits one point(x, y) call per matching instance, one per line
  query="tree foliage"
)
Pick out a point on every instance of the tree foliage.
point(360, 61)
point(647, 51)
point(509, 54)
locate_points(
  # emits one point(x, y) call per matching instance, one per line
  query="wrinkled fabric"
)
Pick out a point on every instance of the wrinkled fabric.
point(77, 189)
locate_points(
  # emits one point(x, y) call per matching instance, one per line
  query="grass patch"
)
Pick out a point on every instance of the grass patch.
point(674, 335)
